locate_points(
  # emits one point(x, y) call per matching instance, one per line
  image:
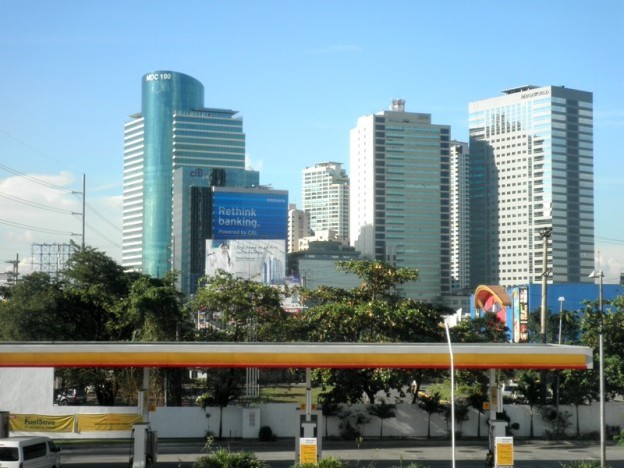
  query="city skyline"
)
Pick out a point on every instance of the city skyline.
point(75, 71)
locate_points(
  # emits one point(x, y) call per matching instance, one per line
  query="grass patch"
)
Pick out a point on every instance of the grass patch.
point(287, 394)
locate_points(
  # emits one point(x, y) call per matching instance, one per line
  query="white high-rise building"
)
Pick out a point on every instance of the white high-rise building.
point(399, 164)
point(326, 197)
point(531, 169)
point(298, 227)
point(460, 216)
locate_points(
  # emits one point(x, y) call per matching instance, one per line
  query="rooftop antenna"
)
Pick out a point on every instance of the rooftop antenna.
point(398, 105)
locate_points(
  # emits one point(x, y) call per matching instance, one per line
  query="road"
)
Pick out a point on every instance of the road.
point(371, 453)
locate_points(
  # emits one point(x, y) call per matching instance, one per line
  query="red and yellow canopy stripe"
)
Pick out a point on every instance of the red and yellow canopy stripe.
point(295, 355)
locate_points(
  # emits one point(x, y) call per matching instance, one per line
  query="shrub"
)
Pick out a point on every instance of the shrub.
point(265, 434)
point(327, 462)
point(411, 465)
point(581, 464)
point(558, 422)
point(223, 458)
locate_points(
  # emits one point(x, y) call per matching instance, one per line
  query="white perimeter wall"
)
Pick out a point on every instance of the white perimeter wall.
point(30, 391)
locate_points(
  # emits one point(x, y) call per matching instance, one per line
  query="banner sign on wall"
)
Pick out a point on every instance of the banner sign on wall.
point(263, 261)
point(107, 422)
point(250, 215)
point(41, 423)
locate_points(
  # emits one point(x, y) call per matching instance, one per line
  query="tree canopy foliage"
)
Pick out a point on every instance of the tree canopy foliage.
point(94, 299)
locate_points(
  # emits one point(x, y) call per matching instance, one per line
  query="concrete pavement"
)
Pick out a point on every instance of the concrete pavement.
point(370, 453)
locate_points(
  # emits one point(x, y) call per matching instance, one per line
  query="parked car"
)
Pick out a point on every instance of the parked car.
point(71, 396)
point(510, 390)
point(18, 452)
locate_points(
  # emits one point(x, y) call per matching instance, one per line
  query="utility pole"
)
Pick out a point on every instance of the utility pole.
point(545, 234)
point(84, 203)
point(84, 197)
point(14, 274)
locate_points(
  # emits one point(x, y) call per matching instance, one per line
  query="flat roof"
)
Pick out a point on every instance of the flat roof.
point(519, 89)
point(295, 355)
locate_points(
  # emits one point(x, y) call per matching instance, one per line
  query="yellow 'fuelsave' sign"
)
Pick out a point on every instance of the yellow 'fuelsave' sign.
point(41, 423)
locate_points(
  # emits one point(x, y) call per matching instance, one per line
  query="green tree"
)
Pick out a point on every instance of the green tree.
point(222, 387)
point(578, 388)
point(530, 388)
point(611, 323)
point(486, 329)
point(430, 404)
point(95, 284)
point(245, 310)
point(476, 396)
point(238, 310)
point(35, 311)
point(152, 311)
point(462, 410)
point(382, 411)
point(371, 313)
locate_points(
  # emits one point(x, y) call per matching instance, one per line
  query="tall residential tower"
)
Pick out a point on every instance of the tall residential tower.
point(399, 164)
point(326, 198)
point(460, 216)
point(531, 168)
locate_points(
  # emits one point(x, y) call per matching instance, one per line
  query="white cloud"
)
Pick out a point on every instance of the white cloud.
point(45, 209)
point(610, 259)
point(253, 165)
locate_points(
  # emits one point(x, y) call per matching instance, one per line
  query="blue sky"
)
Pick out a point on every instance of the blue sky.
point(300, 73)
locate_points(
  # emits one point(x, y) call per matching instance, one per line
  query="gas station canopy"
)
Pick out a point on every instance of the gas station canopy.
point(295, 355)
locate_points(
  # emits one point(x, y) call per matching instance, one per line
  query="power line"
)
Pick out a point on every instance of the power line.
point(610, 240)
point(99, 234)
point(35, 180)
point(35, 204)
point(33, 228)
point(32, 148)
point(95, 212)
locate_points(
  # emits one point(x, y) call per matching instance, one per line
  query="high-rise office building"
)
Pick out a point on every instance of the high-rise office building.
point(399, 164)
point(531, 170)
point(173, 131)
point(459, 216)
point(326, 197)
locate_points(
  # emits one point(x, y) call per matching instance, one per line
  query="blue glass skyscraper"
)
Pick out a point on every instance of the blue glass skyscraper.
point(173, 131)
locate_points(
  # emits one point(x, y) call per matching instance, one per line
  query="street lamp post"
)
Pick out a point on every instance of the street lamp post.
point(599, 274)
point(545, 234)
point(452, 361)
point(561, 300)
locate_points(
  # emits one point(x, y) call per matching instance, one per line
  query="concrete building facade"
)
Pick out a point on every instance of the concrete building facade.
point(530, 171)
point(400, 188)
point(326, 197)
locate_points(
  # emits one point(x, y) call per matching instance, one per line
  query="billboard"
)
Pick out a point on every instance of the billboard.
point(262, 260)
point(253, 214)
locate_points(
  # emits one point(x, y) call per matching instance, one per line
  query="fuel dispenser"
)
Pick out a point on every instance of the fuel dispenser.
point(308, 443)
point(497, 427)
point(144, 448)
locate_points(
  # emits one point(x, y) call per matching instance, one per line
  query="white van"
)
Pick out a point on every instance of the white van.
point(29, 452)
